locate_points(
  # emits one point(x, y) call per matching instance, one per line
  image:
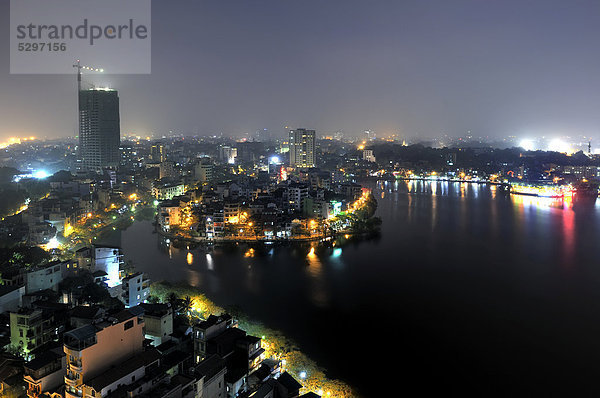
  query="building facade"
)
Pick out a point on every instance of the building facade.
point(302, 146)
point(136, 289)
point(92, 349)
point(99, 129)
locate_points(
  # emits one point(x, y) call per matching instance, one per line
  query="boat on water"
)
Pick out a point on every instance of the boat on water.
point(541, 190)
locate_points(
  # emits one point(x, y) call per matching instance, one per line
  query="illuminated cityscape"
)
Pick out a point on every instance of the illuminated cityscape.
point(299, 199)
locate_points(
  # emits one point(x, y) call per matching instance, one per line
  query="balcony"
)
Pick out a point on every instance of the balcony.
point(70, 394)
point(76, 366)
point(71, 380)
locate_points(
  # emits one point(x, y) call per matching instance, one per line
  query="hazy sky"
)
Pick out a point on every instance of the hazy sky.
point(496, 68)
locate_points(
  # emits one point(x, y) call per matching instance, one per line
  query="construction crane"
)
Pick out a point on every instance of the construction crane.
point(79, 68)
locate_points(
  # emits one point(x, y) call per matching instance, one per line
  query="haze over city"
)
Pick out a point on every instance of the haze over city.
point(299, 199)
point(412, 68)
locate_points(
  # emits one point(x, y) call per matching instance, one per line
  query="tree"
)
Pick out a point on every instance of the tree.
point(187, 304)
point(172, 298)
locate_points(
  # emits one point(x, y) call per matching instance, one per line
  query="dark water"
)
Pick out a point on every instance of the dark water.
point(467, 290)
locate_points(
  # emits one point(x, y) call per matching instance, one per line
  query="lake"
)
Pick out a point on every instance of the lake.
point(467, 289)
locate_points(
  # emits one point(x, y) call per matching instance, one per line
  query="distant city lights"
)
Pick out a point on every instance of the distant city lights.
point(40, 174)
point(527, 144)
point(558, 145)
point(15, 140)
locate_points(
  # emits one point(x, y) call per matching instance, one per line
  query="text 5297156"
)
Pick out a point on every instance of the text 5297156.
point(42, 46)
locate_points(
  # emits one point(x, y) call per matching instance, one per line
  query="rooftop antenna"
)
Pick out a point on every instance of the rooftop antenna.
point(79, 68)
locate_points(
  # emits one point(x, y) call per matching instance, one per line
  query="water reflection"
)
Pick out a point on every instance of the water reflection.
point(193, 277)
point(510, 251)
point(209, 262)
point(318, 289)
point(535, 202)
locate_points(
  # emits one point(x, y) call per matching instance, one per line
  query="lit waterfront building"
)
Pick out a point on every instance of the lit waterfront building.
point(99, 129)
point(302, 148)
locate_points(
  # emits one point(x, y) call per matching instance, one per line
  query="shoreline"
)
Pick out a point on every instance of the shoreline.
point(276, 344)
point(207, 242)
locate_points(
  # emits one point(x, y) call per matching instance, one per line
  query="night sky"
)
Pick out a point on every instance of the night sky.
point(426, 68)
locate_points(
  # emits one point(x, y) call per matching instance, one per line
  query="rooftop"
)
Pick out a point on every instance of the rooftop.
point(86, 312)
point(125, 368)
point(82, 333)
point(289, 382)
point(158, 309)
point(210, 366)
point(43, 359)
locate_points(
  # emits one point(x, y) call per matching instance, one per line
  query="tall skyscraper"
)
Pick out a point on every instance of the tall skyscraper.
point(99, 129)
point(302, 148)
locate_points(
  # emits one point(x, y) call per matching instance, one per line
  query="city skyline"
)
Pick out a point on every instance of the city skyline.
point(408, 68)
point(234, 199)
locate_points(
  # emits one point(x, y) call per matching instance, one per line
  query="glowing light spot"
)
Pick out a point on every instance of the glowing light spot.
point(527, 144)
point(40, 174)
point(558, 145)
point(52, 244)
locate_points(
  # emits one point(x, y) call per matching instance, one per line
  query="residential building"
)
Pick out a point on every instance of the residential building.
point(84, 257)
point(302, 146)
point(231, 212)
point(296, 194)
point(159, 322)
point(227, 154)
point(128, 372)
point(166, 170)
point(205, 330)
point(85, 315)
point(136, 289)
point(285, 386)
point(109, 260)
point(43, 277)
point(31, 328)
point(214, 225)
point(93, 349)
point(46, 373)
point(11, 297)
point(203, 171)
point(157, 153)
point(167, 191)
point(210, 375)
point(169, 213)
point(580, 171)
point(368, 155)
